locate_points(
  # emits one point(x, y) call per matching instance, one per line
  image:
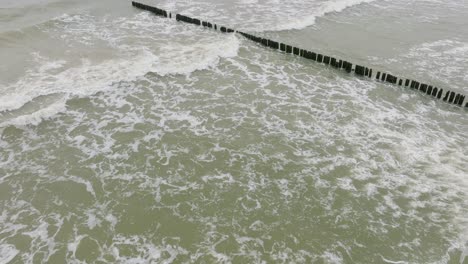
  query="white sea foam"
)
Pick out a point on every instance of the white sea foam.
point(36, 117)
point(145, 250)
point(87, 76)
point(444, 59)
point(327, 7)
point(7, 253)
point(288, 136)
point(269, 15)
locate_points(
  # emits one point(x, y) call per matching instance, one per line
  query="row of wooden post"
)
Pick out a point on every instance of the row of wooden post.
point(450, 97)
point(155, 10)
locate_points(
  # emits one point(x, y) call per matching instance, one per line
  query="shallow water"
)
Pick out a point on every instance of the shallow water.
point(128, 138)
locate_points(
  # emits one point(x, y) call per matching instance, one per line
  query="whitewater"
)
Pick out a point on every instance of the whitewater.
point(129, 138)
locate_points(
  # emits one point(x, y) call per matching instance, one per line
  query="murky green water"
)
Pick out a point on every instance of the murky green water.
point(127, 138)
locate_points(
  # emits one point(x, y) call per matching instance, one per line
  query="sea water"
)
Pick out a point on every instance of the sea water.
point(130, 138)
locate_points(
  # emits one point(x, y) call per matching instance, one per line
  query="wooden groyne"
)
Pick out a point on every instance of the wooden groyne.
point(359, 70)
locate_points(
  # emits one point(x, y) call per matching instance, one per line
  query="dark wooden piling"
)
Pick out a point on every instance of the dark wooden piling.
point(384, 76)
point(370, 73)
point(461, 100)
point(423, 87)
point(282, 47)
point(288, 49)
point(400, 83)
point(296, 51)
point(360, 70)
point(333, 62)
point(416, 86)
point(314, 56)
point(378, 76)
point(388, 78)
point(349, 67)
point(357, 70)
point(434, 92)
point(456, 99)
point(319, 57)
point(273, 44)
point(446, 96)
point(326, 60)
point(429, 90)
point(344, 64)
point(452, 96)
point(340, 64)
point(439, 95)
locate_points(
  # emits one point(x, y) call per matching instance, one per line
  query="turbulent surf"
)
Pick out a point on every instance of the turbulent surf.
point(129, 138)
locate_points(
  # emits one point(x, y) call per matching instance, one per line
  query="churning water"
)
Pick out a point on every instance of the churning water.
point(129, 138)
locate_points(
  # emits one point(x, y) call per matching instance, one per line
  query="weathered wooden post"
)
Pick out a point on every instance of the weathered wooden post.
point(452, 96)
point(314, 56)
point(456, 99)
point(282, 47)
point(446, 96)
point(429, 90)
point(296, 51)
point(360, 70)
point(461, 100)
point(319, 57)
point(439, 95)
point(423, 88)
